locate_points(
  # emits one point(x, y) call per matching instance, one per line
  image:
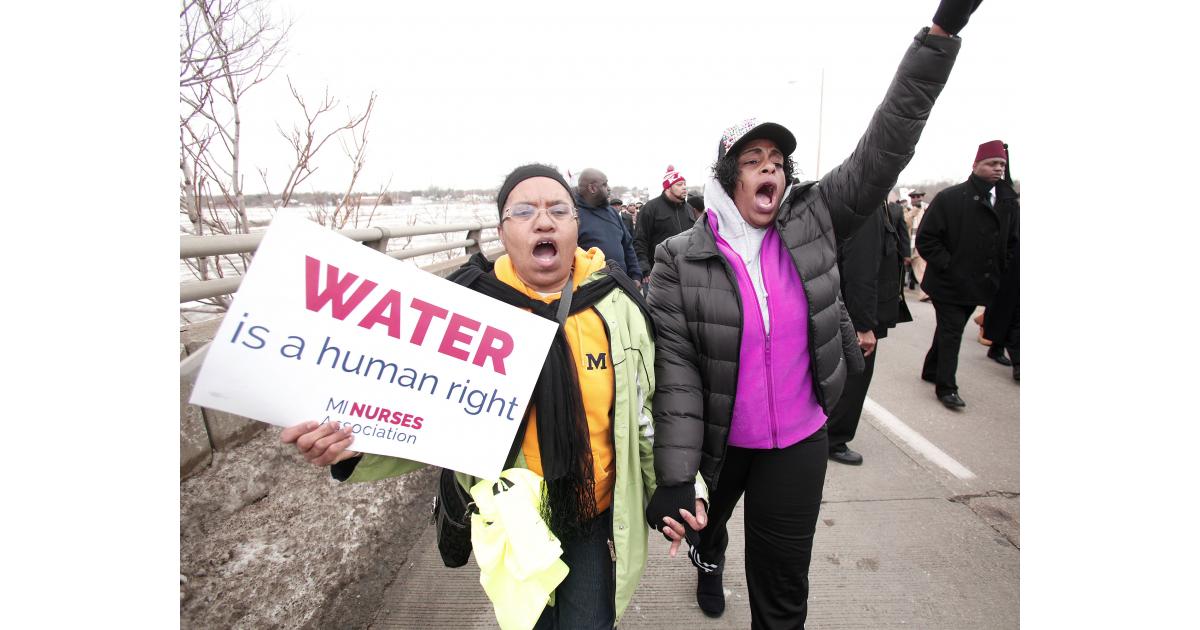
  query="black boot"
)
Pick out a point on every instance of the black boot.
point(710, 594)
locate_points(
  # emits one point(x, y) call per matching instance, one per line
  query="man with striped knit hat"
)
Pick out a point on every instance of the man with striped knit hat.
point(661, 218)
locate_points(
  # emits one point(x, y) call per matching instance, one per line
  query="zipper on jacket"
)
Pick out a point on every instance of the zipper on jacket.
point(758, 310)
point(773, 422)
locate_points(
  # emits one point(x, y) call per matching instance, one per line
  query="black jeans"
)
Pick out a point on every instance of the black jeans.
point(941, 362)
point(783, 497)
point(843, 422)
point(586, 598)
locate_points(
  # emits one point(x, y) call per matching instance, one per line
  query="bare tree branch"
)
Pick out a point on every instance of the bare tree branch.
point(226, 48)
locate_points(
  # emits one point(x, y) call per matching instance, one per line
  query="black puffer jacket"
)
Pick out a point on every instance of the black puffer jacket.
point(694, 297)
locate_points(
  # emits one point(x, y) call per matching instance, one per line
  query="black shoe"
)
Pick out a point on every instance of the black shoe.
point(998, 357)
point(710, 594)
point(928, 379)
point(843, 455)
point(952, 401)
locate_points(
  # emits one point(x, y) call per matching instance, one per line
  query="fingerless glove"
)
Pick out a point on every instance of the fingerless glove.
point(667, 501)
point(952, 15)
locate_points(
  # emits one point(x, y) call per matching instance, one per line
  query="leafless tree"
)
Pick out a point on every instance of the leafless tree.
point(226, 48)
point(308, 140)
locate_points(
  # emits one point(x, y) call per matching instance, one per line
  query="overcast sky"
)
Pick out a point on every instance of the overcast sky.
point(468, 90)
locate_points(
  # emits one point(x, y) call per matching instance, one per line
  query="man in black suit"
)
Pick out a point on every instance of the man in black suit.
point(967, 237)
point(871, 267)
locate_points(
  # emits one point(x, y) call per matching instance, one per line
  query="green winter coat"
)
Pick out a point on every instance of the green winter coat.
point(631, 347)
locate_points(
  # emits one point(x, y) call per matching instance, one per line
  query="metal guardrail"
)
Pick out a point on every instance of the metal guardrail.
point(375, 237)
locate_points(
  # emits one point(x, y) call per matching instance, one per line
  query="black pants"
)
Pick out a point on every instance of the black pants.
point(941, 362)
point(843, 422)
point(1010, 339)
point(1013, 341)
point(783, 497)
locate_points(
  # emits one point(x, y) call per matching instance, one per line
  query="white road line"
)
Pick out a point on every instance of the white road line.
point(915, 440)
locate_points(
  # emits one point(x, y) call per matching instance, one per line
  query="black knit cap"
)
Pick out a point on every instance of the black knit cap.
point(522, 173)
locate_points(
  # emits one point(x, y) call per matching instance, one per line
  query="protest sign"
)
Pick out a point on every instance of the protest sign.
point(323, 328)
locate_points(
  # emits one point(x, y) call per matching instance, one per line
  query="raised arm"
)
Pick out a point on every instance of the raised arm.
point(854, 188)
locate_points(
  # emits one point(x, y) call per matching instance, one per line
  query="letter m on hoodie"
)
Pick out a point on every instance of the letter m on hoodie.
point(335, 289)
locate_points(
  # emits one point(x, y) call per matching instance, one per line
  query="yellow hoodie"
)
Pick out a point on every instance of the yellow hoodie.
point(589, 348)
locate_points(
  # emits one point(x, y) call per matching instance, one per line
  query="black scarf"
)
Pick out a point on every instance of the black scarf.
point(569, 505)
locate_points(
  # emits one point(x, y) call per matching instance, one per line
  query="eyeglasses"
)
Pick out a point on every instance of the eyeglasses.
point(523, 212)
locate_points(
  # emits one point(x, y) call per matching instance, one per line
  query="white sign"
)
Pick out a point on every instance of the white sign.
point(324, 328)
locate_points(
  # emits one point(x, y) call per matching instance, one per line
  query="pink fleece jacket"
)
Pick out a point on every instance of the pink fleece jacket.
point(775, 405)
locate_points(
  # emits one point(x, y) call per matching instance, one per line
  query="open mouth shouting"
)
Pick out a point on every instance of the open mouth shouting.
point(764, 197)
point(545, 252)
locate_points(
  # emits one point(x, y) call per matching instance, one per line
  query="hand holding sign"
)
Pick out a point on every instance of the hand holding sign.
point(321, 444)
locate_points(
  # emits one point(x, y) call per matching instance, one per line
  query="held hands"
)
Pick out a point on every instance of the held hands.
point(952, 16)
point(671, 504)
point(321, 444)
point(676, 531)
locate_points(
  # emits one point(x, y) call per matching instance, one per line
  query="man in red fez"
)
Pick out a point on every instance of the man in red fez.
point(968, 238)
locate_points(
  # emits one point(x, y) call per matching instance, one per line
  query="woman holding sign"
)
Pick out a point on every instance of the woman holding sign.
point(754, 343)
point(588, 432)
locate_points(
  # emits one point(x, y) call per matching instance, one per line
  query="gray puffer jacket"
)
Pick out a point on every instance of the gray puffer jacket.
point(694, 297)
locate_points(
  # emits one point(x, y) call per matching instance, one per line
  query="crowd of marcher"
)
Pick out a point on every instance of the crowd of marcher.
point(741, 352)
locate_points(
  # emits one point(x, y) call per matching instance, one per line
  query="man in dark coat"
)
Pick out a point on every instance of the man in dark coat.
point(967, 238)
point(871, 264)
point(600, 226)
point(661, 218)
